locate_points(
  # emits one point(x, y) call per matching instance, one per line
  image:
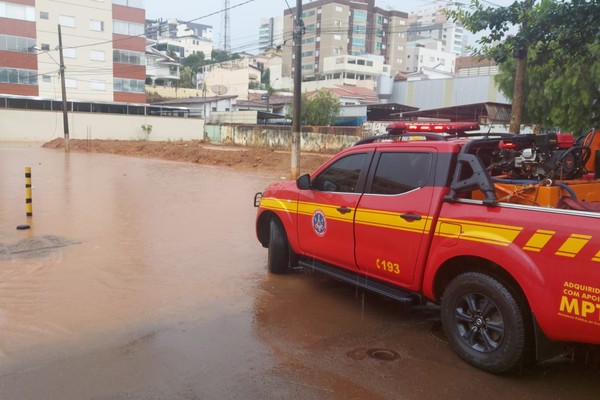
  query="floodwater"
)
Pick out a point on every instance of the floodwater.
point(143, 279)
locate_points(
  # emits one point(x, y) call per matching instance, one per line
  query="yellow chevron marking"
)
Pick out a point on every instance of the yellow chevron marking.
point(573, 245)
point(500, 235)
point(596, 257)
point(539, 239)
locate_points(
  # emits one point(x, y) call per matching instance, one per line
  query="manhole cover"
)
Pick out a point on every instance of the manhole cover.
point(383, 354)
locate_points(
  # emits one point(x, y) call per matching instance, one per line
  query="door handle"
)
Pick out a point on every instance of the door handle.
point(410, 217)
point(344, 210)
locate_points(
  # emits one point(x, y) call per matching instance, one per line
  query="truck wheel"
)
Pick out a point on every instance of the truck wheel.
point(278, 260)
point(484, 322)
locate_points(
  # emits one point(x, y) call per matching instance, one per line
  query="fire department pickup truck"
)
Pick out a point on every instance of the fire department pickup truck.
point(503, 231)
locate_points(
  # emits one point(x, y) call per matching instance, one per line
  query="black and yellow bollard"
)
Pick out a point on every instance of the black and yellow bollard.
point(28, 203)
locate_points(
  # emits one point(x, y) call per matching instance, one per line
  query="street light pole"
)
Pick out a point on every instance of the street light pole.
point(64, 92)
point(296, 123)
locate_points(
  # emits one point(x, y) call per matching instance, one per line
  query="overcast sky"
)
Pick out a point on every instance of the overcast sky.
point(244, 19)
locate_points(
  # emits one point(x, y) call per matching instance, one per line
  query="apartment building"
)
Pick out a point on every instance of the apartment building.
point(270, 33)
point(345, 27)
point(431, 22)
point(103, 48)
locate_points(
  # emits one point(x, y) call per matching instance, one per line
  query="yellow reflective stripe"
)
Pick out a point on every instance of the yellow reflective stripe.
point(500, 235)
point(392, 220)
point(272, 203)
point(330, 211)
point(539, 239)
point(573, 245)
point(496, 234)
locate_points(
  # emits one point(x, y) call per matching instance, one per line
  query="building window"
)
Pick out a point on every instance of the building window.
point(360, 16)
point(129, 57)
point(97, 55)
point(45, 46)
point(338, 9)
point(66, 20)
point(18, 76)
point(44, 15)
point(17, 11)
point(71, 83)
point(127, 28)
point(97, 26)
point(46, 78)
point(98, 85)
point(17, 43)
point(337, 37)
point(70, 53)
point(129, 85)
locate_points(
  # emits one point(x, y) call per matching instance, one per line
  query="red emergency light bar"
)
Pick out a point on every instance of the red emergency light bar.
point(398, 128)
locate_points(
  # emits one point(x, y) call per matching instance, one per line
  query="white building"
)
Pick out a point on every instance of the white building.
point(428, 53)
point(431, 21)
point(161, 66)
point(229, 78)
point(270, 33)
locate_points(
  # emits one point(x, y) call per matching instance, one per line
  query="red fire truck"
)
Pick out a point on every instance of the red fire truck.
point(503, 231)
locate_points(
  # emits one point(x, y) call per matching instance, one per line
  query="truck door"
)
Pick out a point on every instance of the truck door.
point(394, 215)
point(326, 211)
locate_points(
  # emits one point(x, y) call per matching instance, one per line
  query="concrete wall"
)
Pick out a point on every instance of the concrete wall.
point(316, 139)
point(438, 93)
point(43, 126)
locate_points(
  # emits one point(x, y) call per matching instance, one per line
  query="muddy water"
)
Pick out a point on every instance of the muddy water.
point(142, 279)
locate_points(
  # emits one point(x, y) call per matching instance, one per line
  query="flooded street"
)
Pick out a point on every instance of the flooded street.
point(143, 279)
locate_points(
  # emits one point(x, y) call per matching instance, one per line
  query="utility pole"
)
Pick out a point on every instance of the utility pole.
point(520, 74)
point(64, 91)
point(517, 100)
point(296, 123)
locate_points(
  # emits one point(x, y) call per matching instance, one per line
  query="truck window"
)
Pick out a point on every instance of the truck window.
point(342, 175)
point(397, 173)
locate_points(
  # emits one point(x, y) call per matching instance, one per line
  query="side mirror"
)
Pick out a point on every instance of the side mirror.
point(303, 182)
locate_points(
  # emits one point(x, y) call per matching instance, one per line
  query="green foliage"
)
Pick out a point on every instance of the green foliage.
point(320, 109)
point(221, 56)
point(194, 61)
point(266, 77)
point(562, 39)
point(186, 77)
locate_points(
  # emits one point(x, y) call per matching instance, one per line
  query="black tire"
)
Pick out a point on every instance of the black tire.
point(484, 322)
point(279, 257)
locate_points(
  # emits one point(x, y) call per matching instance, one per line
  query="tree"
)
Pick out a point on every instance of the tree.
point(320, 109)
point(186, 77)
point(558, 41)
point(266, 78)
point(194, 61)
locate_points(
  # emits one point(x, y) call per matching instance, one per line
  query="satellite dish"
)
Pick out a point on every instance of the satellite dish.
point(219, 89)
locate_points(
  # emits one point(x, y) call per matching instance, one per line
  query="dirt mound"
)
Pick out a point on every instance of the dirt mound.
point(242, 158)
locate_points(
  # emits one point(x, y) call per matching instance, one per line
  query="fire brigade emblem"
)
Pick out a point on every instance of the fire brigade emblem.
point(319, 223)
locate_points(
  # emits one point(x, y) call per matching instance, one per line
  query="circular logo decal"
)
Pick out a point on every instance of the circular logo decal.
point(319, 223)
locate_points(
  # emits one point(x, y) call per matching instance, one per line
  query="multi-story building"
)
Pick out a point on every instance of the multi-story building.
point(345, 27)
point(270, 33)
point(103, 49)
point(172, 28)
point(431, 22)
point(428, 53)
